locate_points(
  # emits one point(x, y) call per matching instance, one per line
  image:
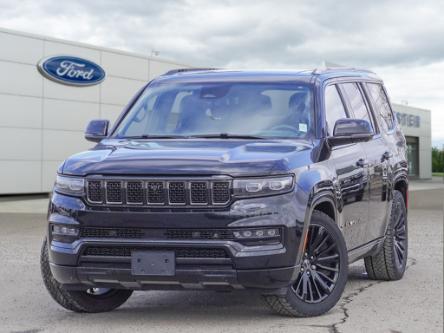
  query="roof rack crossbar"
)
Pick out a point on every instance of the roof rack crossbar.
point(183, 70)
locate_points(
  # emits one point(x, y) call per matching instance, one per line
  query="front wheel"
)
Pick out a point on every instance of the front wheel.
point(90, 300)
point(323, 272)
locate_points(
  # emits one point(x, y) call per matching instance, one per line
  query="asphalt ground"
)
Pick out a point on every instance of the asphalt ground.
point(413, 304)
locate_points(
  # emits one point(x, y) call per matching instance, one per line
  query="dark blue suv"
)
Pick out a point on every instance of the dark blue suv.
point(272, 181)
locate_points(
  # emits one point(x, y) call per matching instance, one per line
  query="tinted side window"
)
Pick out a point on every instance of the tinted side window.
point(334, 108)
point(356, 100)
point(381, 105)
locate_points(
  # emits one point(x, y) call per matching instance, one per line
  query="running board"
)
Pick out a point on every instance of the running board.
point(364, 250)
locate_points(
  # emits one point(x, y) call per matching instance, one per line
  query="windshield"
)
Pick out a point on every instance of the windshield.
point(263, 110)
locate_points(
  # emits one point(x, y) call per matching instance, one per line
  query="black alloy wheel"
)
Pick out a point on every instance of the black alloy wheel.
point(400, 236)
point(320, 266)
point(322, 274)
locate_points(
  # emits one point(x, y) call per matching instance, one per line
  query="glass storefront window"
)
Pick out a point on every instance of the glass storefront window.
point(413, 155)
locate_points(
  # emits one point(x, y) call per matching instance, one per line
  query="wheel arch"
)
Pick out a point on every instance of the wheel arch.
point(326, 206)
point(401, 185)
point(323, 201)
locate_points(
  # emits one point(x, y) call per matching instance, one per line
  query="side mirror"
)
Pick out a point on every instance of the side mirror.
point(349, 130)
point(97, 130)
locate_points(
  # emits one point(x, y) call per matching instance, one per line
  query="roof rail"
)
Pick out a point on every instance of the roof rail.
point(183, 70)
point(324, 69)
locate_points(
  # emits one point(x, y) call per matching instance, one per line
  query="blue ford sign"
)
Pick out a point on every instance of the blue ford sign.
point(71, 71)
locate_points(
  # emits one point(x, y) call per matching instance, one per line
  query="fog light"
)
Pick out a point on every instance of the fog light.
point(271, 232)
point(257, 233)
point(64, 230)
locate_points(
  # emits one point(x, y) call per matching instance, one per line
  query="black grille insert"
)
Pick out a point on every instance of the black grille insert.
point(114, 191)
point(156, 193)
point(140, 233)
point(134, 192)
point(181, 252)
point(199, 193)
point(132, 233)
point(199, 234)
point(95, 191)
point(221, 192)
point(177, 193)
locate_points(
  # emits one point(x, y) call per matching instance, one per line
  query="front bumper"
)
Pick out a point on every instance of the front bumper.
point(217, 278)
point(260, 266)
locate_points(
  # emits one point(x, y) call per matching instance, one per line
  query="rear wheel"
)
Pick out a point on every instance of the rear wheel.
point(323, 272)
point(90, 300)
point(389, 263)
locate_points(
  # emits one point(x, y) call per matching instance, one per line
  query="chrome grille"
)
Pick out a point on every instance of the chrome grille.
point(159, 192)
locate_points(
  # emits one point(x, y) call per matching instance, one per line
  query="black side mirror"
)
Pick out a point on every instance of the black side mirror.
point(350, 131)
point(97, 130)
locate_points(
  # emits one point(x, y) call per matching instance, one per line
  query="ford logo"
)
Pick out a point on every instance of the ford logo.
point(71, 71)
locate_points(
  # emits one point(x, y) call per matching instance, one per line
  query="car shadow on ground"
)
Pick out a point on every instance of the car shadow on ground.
point(179, 307)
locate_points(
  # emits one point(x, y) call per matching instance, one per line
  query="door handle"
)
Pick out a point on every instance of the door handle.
point(361, 163)
point(386, 156)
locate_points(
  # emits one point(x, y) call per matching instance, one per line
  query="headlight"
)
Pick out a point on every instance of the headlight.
point(64, 233)
point(251, 187)
point(70, 185)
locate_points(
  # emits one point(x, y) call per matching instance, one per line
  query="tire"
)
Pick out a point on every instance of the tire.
point(390, 262)
point(318, 298)
point(80, 301)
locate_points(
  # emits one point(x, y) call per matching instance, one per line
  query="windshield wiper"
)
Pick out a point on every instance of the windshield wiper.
point(227, 136)
point(154, 136)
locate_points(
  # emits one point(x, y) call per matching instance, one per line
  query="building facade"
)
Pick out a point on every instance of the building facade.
point(42, 121)
point(416, 126)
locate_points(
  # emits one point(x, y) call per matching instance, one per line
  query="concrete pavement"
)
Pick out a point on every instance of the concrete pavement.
point(414, 304)
point(427, 194)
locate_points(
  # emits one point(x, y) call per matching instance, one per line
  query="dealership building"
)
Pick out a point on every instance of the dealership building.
point(42, 118)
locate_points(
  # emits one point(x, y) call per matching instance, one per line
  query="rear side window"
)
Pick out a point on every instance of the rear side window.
point(381, 106)
point(356, 101)
point(334, 108)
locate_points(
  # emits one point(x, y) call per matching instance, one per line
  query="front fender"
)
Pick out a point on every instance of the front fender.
point(318, 187)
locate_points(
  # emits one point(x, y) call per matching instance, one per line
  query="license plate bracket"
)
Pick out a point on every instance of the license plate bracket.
point(157, 263)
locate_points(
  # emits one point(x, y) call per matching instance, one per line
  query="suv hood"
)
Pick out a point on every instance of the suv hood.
point(189, 157)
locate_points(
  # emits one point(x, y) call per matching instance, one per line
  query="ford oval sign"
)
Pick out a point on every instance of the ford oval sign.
point(72, 71)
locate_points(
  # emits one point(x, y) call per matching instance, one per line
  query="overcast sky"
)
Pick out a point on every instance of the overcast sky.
point(402, 41)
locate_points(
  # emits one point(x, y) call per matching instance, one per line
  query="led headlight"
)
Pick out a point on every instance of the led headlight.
point(70, 185)
point(64, 230)
point(64, 233)
point(250, 187)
